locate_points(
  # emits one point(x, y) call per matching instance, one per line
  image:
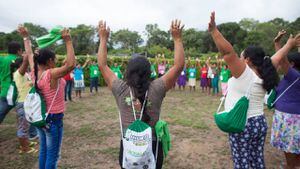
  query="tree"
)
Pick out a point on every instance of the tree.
point(155, 36)
point(126, 39)
point(248, 24)
point(193, 39)
point(83, 39)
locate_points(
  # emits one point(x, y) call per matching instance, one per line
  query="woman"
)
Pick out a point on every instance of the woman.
point(79, 78)
point(181, 81)
point(49, 82)
point(204, 80)
point(224, 77)
point(137, 77)
point(285, 133)
point(23, 83)
point(253, 74)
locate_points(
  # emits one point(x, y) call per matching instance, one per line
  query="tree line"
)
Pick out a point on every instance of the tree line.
point(240, 34)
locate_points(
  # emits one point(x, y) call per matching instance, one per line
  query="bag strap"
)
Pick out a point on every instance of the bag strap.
point(143, 107)
point(224, 97)
point(134, 113)
point(54, 97)
point(285, 91)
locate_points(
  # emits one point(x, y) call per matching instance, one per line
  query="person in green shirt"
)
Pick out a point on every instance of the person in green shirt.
point(153, 71)
point(224, 77)
point(94, 76)
point(14, 51)
point(117, 70)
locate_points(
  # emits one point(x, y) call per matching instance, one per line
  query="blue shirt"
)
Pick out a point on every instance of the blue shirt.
point(78, 74)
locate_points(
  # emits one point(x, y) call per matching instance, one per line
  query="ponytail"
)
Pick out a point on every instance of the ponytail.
point(41, 58)
point(36, 71)
point(137, 76)
point(263, 65)
point(269, 74)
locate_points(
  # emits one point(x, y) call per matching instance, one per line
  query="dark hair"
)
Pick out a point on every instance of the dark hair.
point(13, 47)
point(41, 58)
point(295, 59)
point(137, 76)
point(263, 65)
point(15, 65)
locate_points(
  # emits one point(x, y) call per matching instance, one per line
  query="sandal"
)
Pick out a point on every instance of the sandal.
point(30, 151)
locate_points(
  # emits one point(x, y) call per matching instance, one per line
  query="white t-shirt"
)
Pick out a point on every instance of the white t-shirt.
point(237, 88)
point(209, 73)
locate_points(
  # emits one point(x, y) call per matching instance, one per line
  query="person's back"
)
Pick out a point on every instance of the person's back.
point(138, 93)
point(156, 94)
point(14, 50)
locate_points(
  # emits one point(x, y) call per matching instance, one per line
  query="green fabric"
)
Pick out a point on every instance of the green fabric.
point(153, 71)
point(233, 121)
point(163, 134)
point(117, 71)
point(225, 73)
point(138, 126)
point(5, 78)
point(192, 73)
point(271, 98)
point(94, 71)
point(53, 36)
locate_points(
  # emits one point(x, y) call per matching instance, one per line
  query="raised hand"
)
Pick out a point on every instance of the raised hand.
point(65, 34)
point(280, 34)
point(176, 29)
point(212, 24)
point(294, 41)
point(103, 31)
point(23, 31)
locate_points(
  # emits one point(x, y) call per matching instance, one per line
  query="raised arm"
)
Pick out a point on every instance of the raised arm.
point(171, 76)
point(280, 57)
point(277, 39)
point(70, 63)
point(87, 61)
point(235, 64)
point(27, 44)
point(108, 75)
point(24, 65)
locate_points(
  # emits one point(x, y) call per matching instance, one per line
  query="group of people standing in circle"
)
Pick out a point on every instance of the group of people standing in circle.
point(251, 70)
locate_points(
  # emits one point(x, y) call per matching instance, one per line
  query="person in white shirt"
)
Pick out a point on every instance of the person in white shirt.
point(254, 74)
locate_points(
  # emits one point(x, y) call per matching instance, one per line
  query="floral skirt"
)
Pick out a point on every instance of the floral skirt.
point(285, 134)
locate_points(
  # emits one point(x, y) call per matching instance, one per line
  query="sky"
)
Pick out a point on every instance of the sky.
point(135, 14)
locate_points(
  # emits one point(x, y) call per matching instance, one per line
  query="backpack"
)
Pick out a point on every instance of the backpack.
point(137, 142)
point(35, 107)
point(234, 120)
point(12, 94)
point(270, 97)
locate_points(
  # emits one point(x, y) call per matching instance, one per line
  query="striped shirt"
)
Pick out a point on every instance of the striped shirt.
point(48, 93)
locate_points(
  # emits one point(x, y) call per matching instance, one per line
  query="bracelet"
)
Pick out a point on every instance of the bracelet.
point(25, 38)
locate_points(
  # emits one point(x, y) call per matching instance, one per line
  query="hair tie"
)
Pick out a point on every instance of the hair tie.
point(266, 57)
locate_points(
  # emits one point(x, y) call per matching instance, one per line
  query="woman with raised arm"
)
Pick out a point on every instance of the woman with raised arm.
point(285, 133)
point(137, 82)
point(253, 74)
point(49, 82)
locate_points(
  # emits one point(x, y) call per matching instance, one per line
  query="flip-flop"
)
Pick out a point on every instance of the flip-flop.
point(31, 151)
point(32, 143)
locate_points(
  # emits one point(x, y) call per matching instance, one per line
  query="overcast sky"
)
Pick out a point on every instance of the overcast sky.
point(135, 14)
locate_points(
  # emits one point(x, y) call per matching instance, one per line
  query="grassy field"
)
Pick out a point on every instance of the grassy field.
point(92, 134)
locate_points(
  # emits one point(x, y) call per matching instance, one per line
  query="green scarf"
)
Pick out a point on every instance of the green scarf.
point(163, 134)
point(53, 36)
